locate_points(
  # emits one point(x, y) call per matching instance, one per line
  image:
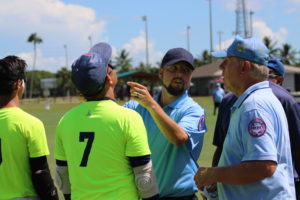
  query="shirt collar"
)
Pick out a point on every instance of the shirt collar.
point(176, 103)
point(249, 91)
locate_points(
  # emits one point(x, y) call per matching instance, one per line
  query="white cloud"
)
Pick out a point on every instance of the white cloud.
point(56, 23)
point(50, 64)
point(295, 1)
point(261, 29)
point(137, 50)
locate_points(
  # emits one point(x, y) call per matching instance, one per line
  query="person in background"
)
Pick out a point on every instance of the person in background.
point(218, 95)
point(290, 106)
point(256, 161)
point(175, 125)
point(24, 171)
point(101, 148)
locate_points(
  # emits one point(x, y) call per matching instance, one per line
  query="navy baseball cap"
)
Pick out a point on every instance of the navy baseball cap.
point(176, 55)
point(276, 66)
point(250, 49)
point(89, 70)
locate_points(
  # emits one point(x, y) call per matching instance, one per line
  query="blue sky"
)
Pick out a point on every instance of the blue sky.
point(71, 22)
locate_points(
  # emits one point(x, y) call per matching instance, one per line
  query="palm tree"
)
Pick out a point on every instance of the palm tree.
point(288, 55)
point(271, 46)
point(123, 62)
point(35, 39)
point(203, 59)
point(63, 77)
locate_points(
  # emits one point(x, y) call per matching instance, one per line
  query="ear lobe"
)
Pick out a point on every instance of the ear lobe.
point(109, 79)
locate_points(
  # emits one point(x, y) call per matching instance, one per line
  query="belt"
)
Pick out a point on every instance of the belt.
point(190, 197)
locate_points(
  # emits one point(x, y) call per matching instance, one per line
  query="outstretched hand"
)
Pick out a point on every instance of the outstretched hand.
point(203, 177)
point(140, 94)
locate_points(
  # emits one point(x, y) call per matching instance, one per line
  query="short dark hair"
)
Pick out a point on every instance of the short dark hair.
point(12, 68)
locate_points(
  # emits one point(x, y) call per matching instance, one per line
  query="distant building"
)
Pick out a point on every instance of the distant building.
point(204, 78)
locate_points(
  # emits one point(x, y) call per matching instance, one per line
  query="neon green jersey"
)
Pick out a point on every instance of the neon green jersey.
point(22, 136)
point(95, 139)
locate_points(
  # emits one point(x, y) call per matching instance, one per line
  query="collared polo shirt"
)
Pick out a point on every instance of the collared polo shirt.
point(258, 130)
point(175, 166)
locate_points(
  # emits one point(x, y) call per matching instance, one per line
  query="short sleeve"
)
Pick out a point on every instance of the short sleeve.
point(137, 141)
point(37, 141)
point(131, 104)
point(193, 123)
point(59, 152)
point(258, 136)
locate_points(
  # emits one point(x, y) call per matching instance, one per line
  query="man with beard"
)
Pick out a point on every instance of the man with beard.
point(175, 125)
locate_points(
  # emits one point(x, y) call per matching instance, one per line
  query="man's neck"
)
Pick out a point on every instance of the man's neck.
point(167, 98)
point(8, 102)
point(246, 85)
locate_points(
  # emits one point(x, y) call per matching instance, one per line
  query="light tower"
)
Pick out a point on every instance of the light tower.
point(242, 21)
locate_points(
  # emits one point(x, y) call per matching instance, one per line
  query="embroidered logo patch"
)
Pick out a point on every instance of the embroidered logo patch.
point(257, 127)
point(240, 47)
point(201, 123)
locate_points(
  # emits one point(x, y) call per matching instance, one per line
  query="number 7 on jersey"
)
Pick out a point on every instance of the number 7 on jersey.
point(90, 136)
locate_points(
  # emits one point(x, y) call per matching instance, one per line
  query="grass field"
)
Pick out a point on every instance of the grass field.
point(51, 117)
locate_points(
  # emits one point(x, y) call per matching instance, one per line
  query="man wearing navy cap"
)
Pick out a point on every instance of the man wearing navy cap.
point(256, 158)
point(101, 148)
point(175, 125)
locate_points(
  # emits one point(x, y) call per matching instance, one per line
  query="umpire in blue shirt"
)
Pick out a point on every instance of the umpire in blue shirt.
point(290, 106)
point(256, 158)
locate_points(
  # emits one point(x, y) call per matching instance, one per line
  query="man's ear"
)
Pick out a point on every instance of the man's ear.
point(109, 79)
point(279, 80)
point(160, 73)
point(246, 66)
point(18, 84)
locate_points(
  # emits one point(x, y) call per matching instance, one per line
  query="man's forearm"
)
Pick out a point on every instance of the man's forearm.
point(245, 173)
point(240, 174)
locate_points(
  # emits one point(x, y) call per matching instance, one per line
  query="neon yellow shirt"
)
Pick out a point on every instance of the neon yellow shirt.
point(95, 139)
point(22, 136)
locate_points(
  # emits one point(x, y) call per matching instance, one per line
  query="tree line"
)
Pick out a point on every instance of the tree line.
point(123, 63)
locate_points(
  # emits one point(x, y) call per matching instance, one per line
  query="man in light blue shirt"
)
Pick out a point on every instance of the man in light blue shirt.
point(256, 159)
point(218, 95)
point(175, 125)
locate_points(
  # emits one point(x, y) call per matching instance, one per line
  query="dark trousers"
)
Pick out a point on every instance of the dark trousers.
point(191, 197)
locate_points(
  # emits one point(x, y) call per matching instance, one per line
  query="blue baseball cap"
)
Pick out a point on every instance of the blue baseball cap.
point(276, 66)
point(176, 55)
point(89, 70)
point(250, 49)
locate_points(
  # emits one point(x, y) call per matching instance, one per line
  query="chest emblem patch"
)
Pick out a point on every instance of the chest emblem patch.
point(257, 127)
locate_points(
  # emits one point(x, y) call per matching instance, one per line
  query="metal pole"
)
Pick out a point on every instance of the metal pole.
point(251, 23)
point(146, 37)
point(66, 53)
point(90, 39)
point(210, 26)
point(220, 39)
point(188, 37)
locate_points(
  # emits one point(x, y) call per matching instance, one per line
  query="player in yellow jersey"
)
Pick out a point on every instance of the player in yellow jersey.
point(101, 148)
point(24, 171)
